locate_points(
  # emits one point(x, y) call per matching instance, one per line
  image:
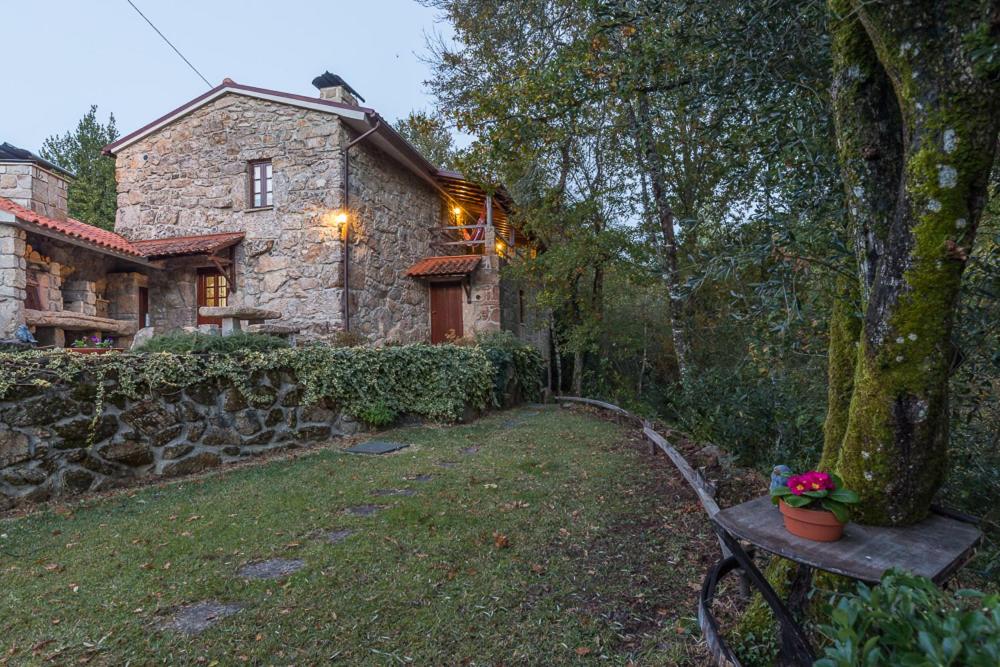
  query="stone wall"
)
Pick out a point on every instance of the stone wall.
point(393, 211)
point(191, 178)
point(42, 191)
point(48, 447)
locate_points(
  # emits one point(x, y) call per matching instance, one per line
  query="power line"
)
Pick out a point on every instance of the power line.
point(195, 69)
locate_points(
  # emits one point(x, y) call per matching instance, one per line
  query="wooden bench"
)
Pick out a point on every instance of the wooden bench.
point(936, 548)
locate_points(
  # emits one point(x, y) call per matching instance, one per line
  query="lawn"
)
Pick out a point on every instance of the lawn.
point(534, 536)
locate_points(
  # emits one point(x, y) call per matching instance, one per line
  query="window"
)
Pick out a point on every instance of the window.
point(261, 184)
point(213, 290)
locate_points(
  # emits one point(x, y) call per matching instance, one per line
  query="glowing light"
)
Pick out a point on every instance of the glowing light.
point(457, 211)
point(340, 218)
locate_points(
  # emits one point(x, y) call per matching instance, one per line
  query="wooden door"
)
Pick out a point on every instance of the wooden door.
point(446, 311)
point(213, 290)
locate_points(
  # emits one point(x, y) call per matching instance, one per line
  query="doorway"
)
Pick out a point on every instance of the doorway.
point(446, 312)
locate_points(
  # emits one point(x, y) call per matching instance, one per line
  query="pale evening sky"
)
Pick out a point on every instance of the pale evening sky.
point(64, 55)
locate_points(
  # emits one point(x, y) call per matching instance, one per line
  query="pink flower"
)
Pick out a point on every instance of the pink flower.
point(798, 484)
point(810, 481)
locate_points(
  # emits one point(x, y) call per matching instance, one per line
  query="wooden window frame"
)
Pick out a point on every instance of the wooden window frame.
point(266, 184)
point(202, 295)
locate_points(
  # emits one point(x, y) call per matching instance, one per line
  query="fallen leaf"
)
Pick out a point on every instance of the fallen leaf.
point(582, 650)
point(500, 540)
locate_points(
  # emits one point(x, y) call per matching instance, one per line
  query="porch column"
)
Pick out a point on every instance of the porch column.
point(13, 279)
point(490, 237)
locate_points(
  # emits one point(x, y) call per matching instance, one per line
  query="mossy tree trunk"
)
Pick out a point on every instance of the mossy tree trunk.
point(917, 105)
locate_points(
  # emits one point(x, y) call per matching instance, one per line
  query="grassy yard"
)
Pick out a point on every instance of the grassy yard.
point(532, 537)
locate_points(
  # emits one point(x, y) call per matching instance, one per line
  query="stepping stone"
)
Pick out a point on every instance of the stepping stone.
point(363, 510)
point(196, 618)
point(376, 447)
point(422, 478)
point(275, 568)
point(335, 536)
point(394, 492)
point(469, 451)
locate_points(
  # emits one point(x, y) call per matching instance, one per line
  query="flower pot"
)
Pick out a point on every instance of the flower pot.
point(92, 350)
point(815, 525)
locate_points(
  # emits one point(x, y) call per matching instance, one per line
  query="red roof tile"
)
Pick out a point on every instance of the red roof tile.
point(73, 228)
point(455, 265)
point(169, 247)
point(187, 245)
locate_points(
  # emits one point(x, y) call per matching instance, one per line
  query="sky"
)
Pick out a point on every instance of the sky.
point(61, 56)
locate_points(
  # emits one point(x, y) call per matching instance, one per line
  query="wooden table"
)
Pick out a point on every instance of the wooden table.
point(934, 548)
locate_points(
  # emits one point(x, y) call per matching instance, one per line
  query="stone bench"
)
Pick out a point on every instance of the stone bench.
point(233, 315)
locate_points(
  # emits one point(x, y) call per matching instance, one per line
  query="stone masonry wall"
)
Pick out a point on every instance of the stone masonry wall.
point(191, 178)
point(47, 450)
point(393, 210)
point(37, 189)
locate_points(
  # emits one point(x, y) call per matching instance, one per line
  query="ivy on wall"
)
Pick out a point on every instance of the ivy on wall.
point(373, 384)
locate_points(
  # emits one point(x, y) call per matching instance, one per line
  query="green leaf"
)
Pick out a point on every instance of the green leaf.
point(840, 511)
point(844, 496)
point(797, 501)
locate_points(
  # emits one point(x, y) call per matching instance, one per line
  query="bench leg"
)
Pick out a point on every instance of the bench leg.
point(794, 643)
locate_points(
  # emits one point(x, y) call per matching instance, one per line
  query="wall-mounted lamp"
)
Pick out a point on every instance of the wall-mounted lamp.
point(338, 220)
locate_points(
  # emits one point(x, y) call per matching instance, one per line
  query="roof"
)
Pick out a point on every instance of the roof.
point(72, 228)
point(228, 86)
point(11, 153)
point(115, 243)
point(187, 245)
point(453, 265)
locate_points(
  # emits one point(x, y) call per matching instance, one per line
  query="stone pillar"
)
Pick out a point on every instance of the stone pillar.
point(122, 292)
point(13, 279)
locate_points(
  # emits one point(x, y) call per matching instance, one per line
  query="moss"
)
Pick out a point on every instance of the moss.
point(845, 328)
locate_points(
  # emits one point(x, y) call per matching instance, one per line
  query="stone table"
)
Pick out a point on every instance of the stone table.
point(233, 315)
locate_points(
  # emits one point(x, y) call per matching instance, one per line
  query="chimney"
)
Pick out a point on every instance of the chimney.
point(332, 87)
point(33, 182)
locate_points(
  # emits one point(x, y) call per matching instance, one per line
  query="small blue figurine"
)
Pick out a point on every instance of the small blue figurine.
point(779, 476)
point(23, 334)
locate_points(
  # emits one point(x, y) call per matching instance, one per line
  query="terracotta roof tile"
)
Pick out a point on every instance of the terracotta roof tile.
point(455, 265)
point(187, 245)
point(73, 228)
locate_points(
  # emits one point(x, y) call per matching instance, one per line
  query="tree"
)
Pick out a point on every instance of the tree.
point(917, 106)
point(92, 194)
point(430, 135)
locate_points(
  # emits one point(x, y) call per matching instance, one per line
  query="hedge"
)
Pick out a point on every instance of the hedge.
point(373, 384)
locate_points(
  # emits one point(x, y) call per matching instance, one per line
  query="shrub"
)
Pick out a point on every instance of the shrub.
point(377, 414)
point(518, 367)
point(202, 343)
point(372, 384)
point(907, 620)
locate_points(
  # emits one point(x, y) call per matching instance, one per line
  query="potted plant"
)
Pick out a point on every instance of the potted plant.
point(92, 345)
point(815, 505)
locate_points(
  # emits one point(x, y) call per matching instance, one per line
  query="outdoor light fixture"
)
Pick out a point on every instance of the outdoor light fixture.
point(457, 211)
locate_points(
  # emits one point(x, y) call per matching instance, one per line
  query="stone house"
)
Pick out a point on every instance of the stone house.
point(313, 207)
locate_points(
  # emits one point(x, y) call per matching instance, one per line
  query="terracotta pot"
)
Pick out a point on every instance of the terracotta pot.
point(93, 350)
point(815, 525)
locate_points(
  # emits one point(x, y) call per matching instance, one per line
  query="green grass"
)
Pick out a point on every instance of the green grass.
point(601, 558)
